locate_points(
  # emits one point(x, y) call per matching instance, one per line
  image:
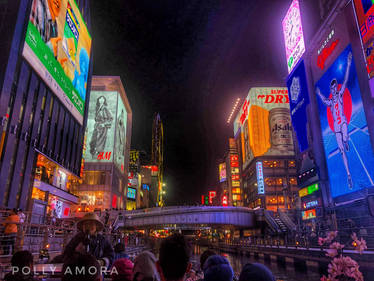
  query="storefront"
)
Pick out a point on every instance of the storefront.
point(51, 192)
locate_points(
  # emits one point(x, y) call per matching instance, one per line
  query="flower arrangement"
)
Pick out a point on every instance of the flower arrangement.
point(342, 267)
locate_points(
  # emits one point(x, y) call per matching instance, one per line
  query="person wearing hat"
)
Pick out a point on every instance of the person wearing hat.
point(89, 240)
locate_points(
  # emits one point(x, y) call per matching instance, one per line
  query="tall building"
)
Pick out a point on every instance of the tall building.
point(263, 150)
point(331, 94)
point(157, 195)
point(104, 182)
point(45, 78)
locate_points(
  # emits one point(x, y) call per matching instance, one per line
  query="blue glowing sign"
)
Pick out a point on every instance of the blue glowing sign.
point(260, 178)
point(145, 186)
point(346, 140)
point(131, 193)
point(299, 99)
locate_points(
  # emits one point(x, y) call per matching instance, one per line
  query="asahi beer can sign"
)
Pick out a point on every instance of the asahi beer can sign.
point(265, 124)
point(281, 129)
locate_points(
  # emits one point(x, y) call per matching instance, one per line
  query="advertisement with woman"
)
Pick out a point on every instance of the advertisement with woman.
point(346, 139)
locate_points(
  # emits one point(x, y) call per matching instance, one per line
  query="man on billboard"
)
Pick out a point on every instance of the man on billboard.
point(336, 104)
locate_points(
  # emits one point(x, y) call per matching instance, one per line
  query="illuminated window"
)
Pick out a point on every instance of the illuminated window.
point(94, 178)
point(293, 181)
point(38, 194)
point(291, 164)
point(272, 164)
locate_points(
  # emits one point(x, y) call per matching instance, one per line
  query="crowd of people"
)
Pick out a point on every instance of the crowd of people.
point(89, 256)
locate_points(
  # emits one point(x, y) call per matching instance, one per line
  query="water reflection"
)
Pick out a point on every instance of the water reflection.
point(281, 272)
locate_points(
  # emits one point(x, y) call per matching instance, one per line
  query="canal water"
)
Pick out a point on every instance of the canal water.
point(281, 272)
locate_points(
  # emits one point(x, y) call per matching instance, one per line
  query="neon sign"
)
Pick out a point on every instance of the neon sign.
point(104, 155)
point(308, 190)
point(245, 112)
point(309, 214)
point(293, 35)
point(224, 201)
point(311, 204)
point(260, 178)
point(325, 53)
point(212, 194)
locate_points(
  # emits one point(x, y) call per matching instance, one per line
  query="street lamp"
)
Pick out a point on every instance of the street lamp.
point(164, 184)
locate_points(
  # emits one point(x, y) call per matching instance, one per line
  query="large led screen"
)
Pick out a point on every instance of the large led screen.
point(120, 141)
point(100, 129)
point(293, 35)
point(299, 99)
point(131, 193)
point(346, 140)
point(265, 124)
point(58, 47)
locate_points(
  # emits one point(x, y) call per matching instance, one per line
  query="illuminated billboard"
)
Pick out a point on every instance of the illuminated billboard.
point(106, 129)
point(309, 214)
point(346, 141)
point(58, 47)
point(120, 140)
point(308, 190)
point(100, 129)
point(265, 124)
point(260, 178)
point(293, 35)
point(222, 172)
point(131, 193)
point(299, 99)
point(365, 14)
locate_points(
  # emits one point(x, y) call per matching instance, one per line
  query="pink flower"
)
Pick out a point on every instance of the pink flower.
point(360, 245)
point(332, 253)
point(321, 241)
point(331, 236)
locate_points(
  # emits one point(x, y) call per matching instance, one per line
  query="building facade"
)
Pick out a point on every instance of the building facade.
point(335, 138)
point(263, 151)
point(44, 83)
point(104, 183)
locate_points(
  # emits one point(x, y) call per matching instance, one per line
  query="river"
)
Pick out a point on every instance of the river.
point(284, 273)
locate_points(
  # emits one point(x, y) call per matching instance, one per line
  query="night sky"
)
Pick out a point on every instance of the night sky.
point(188, 60)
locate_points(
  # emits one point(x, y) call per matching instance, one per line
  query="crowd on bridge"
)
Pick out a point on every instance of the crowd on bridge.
point(89, 256)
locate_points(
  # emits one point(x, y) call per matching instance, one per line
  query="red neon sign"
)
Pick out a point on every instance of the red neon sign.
point(325, 53)
point(234, 157)
point(212, 194)
point(104, 155)
point(245, 112)
point(224, 201)
point(235, 177)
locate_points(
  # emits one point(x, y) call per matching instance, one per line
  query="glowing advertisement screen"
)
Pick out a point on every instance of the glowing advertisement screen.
point(101, 124)
point(131, 193)
point(222, 172)
point(365, 14)
point(293, 35)
point(265, 124)
point(58, 47)
point(299, 99)
point(346, 141)
point(120, 140)
point(309, 214)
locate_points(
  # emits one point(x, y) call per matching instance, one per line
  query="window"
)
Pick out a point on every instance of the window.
point(273, 164)
point(94, 178)
point(291, 164)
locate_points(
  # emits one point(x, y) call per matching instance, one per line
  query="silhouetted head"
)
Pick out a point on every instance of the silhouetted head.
point(174, 258)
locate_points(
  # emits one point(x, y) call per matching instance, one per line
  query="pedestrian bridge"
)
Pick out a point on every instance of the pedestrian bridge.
point(238, 217)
